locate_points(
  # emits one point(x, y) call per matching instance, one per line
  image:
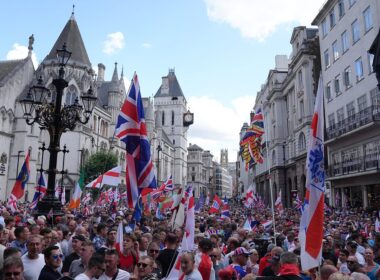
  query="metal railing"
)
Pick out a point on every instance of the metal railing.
point(366, 116)
point(356, 165)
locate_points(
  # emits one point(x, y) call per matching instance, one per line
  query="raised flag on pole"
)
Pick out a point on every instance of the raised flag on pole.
point(40, 191)
point(63, 195)
point(299, 204)
point(75, 200)
point(216, 204)
point(119, 238)
point(110, 178)
point(278, 204)
point(19, 186)
point(311, 224)
point(131, 129)
point(249, 198)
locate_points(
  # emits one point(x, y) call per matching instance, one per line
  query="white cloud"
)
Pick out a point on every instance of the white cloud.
point(217, 126)
point(146, 45)
point(257, 18)
point(113, 43)
point(20, 52)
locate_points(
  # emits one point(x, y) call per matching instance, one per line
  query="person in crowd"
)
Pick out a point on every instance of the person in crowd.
point(76, 244)
point(100, 240)
point(352, 249)
point(112, 272)
point(263, 263)
point(240, 258)
point(21, 233)
point(129, 256)
point(13, 269)
point(143, 246)
point(111, 238)
point(342, 262)
point(12, 251)
point(203, 261)
point(252, 264)
point(370, 267)
point(94, 269)
point(189, 271)
point(216, 256)
point(167, 256)
point(227, 273)
point(53, 260)
point(33, 260)
point(153, 251)
point(327, 270)
point(353, 265)
point(78, 266)
point(2, 247)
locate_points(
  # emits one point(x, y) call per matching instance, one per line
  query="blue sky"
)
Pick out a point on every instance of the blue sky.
point(221, 49)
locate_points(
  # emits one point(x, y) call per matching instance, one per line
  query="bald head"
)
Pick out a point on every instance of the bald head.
point(327, 270)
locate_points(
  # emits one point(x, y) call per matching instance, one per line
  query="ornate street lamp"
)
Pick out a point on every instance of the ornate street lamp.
point(56, 119)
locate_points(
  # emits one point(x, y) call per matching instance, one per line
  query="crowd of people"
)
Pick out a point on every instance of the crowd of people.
point(74, 246)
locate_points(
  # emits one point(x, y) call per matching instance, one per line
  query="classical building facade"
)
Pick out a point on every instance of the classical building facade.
point(287, 100)
point(168, 138)
point(200, 170)
point(352, 101)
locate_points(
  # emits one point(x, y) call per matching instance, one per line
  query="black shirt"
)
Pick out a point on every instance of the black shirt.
point(167, 259)
point(47, 273)
point(68, 260)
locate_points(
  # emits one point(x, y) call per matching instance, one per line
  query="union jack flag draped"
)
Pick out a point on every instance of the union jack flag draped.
point(40, 191)
point(131, 129)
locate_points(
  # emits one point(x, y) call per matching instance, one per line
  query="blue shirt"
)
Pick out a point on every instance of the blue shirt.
point(20, 246)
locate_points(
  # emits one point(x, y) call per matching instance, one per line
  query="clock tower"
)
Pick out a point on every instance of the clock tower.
point(173, 118)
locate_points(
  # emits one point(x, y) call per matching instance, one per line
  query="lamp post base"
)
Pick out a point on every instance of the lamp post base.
point(49, 206)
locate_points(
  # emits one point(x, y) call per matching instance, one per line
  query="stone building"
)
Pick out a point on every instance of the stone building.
point(287, 100)
point(200, 170)
point(347, 29)
point(168, 138)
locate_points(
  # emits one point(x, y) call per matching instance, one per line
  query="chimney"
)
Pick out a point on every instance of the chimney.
point(101, 70)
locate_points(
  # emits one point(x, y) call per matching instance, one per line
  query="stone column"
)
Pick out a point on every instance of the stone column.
point(364, 196)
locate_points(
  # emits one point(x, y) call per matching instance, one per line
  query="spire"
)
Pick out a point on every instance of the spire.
point(72, 13)
point(122, 72)
point(73, 39)
point(115, 76)
point(30, 45)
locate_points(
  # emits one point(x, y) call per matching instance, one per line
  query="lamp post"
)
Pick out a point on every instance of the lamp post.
point(159, 149)
point(56, 119)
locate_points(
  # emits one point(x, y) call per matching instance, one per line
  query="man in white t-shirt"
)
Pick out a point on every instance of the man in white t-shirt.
point(111, 259)
point(33, 260)
point(94, 269)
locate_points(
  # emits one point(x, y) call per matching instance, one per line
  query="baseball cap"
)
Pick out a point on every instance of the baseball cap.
point(241, 251)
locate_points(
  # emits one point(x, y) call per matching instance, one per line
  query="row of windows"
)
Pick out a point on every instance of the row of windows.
point(362, 104)
point(367, 16)
point(345, 81)
point(339, 48)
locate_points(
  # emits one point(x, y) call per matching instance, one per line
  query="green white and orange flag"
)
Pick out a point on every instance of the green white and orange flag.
point(76, 198)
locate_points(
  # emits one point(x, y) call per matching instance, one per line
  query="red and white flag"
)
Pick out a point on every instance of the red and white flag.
point(119, 237)
point(311, 224)
point(278, 204)
point(190, 223)
point(111, 178)
point(249, 198)
point(216, 204)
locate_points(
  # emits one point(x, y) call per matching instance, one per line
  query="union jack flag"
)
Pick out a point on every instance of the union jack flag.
point(299, 204)
point(165, 187)
point(40, 191)
point(131, 129)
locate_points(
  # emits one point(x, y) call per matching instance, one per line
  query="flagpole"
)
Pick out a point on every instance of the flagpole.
point(268, 164)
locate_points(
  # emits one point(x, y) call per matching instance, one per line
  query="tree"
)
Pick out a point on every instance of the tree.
point(97, 164)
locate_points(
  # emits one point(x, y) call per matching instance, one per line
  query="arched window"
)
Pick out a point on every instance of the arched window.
point(163, 118)
point(172, 117)
point(301, 142)
point(273, 158)
point(71, 95)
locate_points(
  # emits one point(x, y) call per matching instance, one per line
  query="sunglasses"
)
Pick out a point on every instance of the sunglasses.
point(10, 274)
point(143, 265)
point(153, 251)
point(55, 257)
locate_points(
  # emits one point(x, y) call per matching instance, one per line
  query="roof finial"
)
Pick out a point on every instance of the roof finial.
point(122, 72)
point(73, 12)
point(115, 76)
point(30, 45)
